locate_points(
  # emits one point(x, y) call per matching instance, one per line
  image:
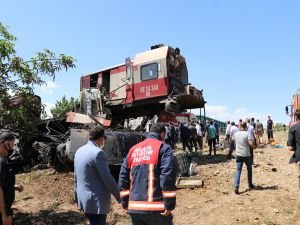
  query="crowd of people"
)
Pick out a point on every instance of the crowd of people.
point(254, 129)
point(192, 134)
point(247, 135)
point(147, 176)
point(146, 186)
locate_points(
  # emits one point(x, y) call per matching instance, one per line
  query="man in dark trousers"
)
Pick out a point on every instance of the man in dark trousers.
point(215, 123)
point(172, 133)
point(147, 180)
point(193, 137)
point(294, 143)
point(243, 143)
point(93, 181)
point(270, 126)
point(211, 137)
point(185, 135)
point(7, 179)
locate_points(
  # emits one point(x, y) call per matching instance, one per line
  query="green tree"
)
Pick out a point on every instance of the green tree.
point(63, 106)
point(19, 106)
point(279, 126)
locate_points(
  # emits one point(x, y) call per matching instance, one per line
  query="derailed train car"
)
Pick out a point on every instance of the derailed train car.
point(153, 82)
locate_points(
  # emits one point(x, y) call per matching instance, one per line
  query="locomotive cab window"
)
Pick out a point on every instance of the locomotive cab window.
point(149, 72)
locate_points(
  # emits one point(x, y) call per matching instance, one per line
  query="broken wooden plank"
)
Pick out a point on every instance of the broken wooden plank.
point(189, 182)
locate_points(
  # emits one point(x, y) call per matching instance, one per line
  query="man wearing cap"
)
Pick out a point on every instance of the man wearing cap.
point(7, 179)
point(93, 181)
point(294, 143)
point(147, 180)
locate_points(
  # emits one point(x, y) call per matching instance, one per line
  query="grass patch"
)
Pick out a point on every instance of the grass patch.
point(268, 221)
point(288, 211)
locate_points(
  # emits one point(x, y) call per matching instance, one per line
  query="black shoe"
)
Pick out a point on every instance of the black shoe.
point(251, 187)
point(236, 191)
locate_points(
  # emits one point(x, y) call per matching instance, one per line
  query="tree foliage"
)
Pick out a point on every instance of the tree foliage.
point(19, 106)
point(280, 126)
point(63, 106)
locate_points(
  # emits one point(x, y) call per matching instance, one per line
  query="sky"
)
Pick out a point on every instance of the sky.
point(245, 55)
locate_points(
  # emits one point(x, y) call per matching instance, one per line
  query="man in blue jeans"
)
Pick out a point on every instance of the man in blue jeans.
point(243, 143)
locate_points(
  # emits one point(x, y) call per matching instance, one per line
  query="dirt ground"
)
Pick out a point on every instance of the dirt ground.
point(48, 195)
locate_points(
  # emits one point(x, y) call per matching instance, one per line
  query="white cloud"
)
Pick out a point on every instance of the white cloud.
point(240, 111)
point(49, 87)
point(223, 113)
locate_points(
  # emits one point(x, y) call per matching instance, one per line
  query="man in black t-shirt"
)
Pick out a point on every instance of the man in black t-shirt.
point(7, 179)
point(270, 127)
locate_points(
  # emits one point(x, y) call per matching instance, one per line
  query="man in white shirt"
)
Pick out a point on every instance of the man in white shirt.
point(227, 133)
point(233, 130)
point(251, 131)
point(199, 135)
point(243, 143)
